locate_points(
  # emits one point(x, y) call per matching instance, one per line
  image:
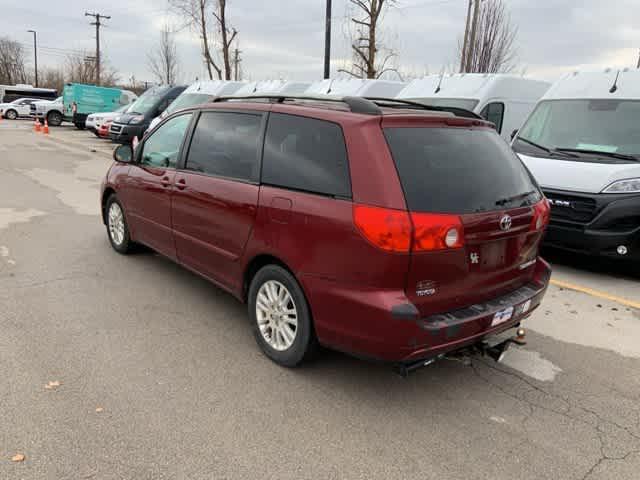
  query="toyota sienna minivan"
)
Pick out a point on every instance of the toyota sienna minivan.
point(381, 228)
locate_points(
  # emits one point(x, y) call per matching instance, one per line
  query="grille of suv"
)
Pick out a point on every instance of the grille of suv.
point(567, 208)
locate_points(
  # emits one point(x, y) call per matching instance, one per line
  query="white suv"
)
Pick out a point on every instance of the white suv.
point(18, 108)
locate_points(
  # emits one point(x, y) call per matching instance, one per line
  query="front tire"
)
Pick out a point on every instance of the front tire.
point(117, 228)
point(11, 114)
point(54, 119)
point(280, 317)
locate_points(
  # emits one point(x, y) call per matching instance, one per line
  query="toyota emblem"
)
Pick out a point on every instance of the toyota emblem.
point(505, 223)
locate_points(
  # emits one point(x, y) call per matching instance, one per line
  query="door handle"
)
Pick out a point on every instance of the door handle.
point(165, 182)
point(182, 184)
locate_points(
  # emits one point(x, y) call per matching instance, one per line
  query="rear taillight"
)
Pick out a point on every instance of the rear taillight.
point(541, 215)
point(436, 232)
point(387, 229)
point(399, 231)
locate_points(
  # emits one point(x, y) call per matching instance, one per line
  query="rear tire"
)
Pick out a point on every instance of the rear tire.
point(54, 119)
point(10, 114)
point(80, 126)
point(117, 228)
point(280, 317)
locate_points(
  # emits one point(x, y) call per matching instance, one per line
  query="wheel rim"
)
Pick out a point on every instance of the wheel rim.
point(277, 315)
point(11, 115)
point(55, 118)
point(116, 224)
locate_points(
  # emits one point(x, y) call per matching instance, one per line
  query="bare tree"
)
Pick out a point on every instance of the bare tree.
point(371, 59)
point(492, 48)
point(81, 68)
point(51, 78)
point(196, 15)
point(12, 62)
point(227, 36)
point(163, 59)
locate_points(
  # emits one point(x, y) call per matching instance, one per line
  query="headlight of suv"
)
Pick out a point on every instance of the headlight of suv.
point(630, 185)
point(136, 120)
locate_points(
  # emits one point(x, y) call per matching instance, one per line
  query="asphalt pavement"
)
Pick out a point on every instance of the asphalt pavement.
point(133, 368)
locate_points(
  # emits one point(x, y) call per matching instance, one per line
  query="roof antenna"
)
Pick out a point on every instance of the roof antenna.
point(614, 88)
point(330, 86)
point(440, 82)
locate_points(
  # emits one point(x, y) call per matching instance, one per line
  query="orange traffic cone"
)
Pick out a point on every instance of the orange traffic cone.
point(45, 130)
point(37, 125)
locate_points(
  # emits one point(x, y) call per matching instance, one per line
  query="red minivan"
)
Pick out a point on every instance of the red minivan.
point(385, 229)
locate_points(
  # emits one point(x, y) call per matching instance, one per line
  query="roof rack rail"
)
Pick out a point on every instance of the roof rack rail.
point(363, 105)
point(355, 104)
point(409, 104)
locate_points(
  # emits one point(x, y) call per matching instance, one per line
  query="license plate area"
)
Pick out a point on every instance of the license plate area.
point(502, 316)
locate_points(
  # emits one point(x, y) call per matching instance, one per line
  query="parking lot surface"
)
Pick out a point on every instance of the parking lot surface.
point(133, 368)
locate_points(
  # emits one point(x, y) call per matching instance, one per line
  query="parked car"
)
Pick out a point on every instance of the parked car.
point(504, 100)
point(582, 143)
point(80, 101)
point(136, 120)
point(347, 223)
point(18, 108)
point(95, 120)
point(198, 93)
point(49, 110)
point(103, 130)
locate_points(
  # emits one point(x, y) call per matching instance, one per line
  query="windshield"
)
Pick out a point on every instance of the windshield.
point(147, 101)
point(454, 170)
point(188, 100)
point(587, 126)
point(465, 103)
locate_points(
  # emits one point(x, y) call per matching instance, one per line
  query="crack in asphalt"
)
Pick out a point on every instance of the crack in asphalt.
point(601, 434)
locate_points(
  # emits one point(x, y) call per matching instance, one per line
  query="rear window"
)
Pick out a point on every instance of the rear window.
point(459, 170)
point(306, 154)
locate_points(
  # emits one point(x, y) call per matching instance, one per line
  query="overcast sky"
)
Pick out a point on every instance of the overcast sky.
point(285, 38)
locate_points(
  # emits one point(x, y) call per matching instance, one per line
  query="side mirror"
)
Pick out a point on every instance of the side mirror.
point(123, 154)
point(514, 133)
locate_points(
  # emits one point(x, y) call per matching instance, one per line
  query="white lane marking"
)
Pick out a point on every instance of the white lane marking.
point(531, 364)
point(11, 215)
point(497, 419)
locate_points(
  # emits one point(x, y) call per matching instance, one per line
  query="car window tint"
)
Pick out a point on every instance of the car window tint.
point(459, 170)
point(306, 154)
point(162, 148)
point(226, 144)
point(494, 113)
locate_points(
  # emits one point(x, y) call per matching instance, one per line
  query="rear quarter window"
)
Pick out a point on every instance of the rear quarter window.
point(459, 170)
point(306, 154)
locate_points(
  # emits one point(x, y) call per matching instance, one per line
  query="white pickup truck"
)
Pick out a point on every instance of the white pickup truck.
point(49, 110)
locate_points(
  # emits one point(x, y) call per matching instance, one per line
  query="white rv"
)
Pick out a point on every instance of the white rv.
point(356, 88)
point(197, 93)
point(505, 100)
point(582, 143)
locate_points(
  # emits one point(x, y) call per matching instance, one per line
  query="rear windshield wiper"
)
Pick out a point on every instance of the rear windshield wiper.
point(504, 201)
point(550, 151)
point(621, 156)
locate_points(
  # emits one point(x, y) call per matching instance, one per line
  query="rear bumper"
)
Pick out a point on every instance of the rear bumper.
point(615, 222)
point(384, 325)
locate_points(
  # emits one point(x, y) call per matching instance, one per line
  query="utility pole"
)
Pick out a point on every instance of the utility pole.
point(472, 39)
point(465, 45)
point(35, 53)
point(236, 64)
point(327, 42)
point(97, 24)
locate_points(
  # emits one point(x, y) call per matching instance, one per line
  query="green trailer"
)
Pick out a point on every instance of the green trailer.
point(80, 101)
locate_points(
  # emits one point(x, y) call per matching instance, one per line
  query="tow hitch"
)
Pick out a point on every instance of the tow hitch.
point(495, 351)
